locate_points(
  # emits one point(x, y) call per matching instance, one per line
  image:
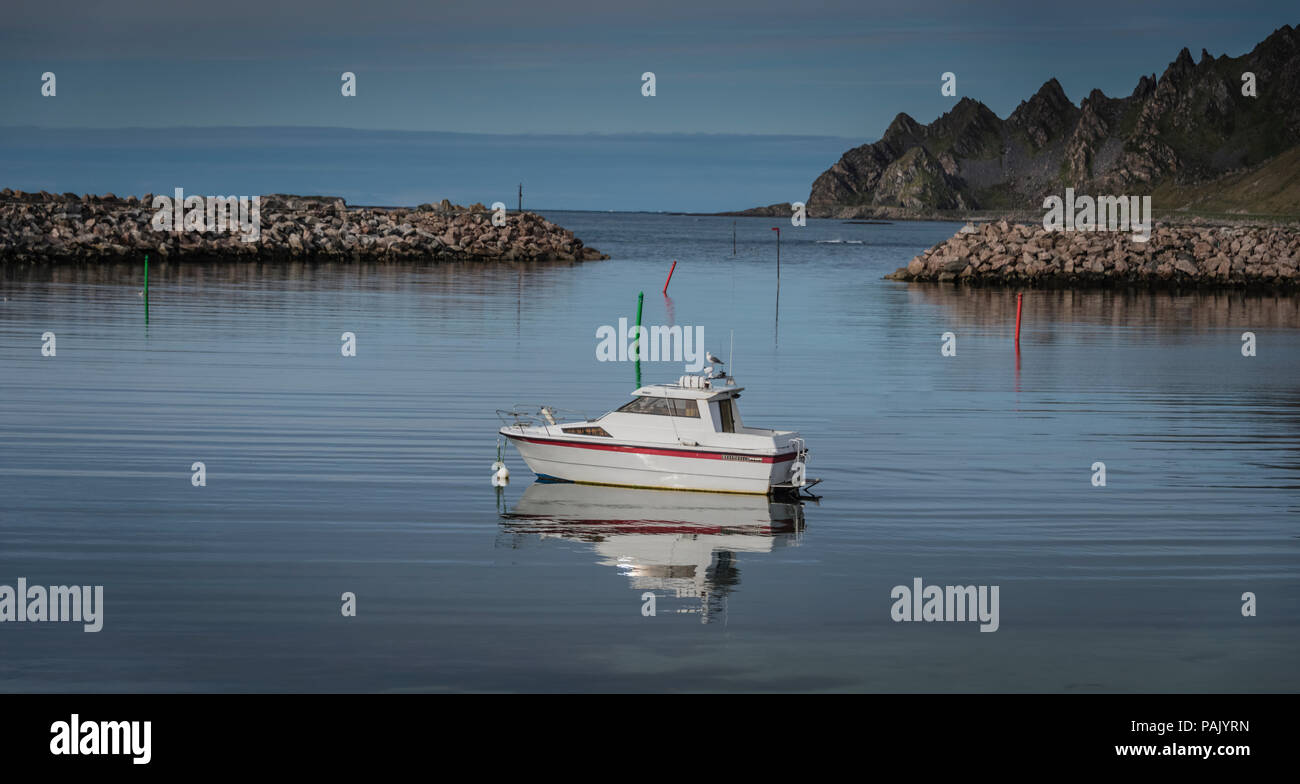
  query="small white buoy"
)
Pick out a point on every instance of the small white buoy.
point(500, 474)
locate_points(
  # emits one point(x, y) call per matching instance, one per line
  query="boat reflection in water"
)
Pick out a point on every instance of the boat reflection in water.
point(677, 544)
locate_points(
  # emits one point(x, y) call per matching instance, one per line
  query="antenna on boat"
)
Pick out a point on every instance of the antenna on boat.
point(731, 352)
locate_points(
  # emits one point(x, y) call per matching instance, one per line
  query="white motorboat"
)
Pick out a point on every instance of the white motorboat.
point(683, 436)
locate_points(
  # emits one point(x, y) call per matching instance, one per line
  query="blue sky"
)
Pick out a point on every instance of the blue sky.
point(750, 67)
point(676, 172)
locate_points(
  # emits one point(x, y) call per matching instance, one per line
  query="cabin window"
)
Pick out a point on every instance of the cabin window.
point(587, 431)
point(728, 416)
point(662, 406)
point(648, 405)
point(685, 408)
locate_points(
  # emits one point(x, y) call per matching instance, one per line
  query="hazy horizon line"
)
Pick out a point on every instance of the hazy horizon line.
point(30, 127)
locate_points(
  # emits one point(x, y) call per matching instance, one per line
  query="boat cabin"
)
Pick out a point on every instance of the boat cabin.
point(691, 412)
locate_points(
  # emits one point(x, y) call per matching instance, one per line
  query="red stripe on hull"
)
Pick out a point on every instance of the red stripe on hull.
point(644, 450)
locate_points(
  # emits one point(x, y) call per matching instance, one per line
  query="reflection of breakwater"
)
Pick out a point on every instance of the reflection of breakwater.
point(682, 544)
point(1160, 311)
point(407, 286)
point(361, 276)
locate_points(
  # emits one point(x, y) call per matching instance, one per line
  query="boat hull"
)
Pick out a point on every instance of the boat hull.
point(658, 467)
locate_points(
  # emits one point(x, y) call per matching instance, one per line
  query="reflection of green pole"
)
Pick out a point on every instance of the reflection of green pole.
point(636, 344)
point(146, 288)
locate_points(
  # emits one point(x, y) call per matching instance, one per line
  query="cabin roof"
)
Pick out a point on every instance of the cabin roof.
point(686, 393)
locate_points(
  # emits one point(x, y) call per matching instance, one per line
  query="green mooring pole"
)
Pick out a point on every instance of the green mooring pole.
point(146, 288)
point(636, 344)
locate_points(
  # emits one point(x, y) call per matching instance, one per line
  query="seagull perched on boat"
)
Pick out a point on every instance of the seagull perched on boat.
point(712, 359)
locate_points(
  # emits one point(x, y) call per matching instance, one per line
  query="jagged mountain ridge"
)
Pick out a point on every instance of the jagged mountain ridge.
point(1190, 125)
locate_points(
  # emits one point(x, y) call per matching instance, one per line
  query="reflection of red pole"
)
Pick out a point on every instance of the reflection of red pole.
point(1018, 304)
point(777, 229)
point(670, 277)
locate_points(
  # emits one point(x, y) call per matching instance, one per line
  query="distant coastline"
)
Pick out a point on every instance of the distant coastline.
point(877, 216)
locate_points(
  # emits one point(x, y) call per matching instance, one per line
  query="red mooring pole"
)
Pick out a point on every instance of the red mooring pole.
point(1019, 298)
point(670, 277)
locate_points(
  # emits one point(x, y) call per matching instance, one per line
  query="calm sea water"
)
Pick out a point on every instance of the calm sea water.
point(371, 475)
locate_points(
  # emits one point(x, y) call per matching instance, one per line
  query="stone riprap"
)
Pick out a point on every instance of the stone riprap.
point(53, 228)
point(1014, 254)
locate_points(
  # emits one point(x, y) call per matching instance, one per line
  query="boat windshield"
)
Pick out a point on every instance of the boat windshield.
point(662, 406)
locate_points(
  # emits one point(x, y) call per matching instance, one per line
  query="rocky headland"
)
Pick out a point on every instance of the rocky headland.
point(1176, 257)
point(1215, 136)
point(53, 228)
point(1210, 135)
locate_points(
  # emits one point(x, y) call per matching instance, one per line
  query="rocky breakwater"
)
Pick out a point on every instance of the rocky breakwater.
point(1006, 254)
point(45, 227)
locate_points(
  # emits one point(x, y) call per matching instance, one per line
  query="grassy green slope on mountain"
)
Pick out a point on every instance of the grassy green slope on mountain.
point(1272, 188)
